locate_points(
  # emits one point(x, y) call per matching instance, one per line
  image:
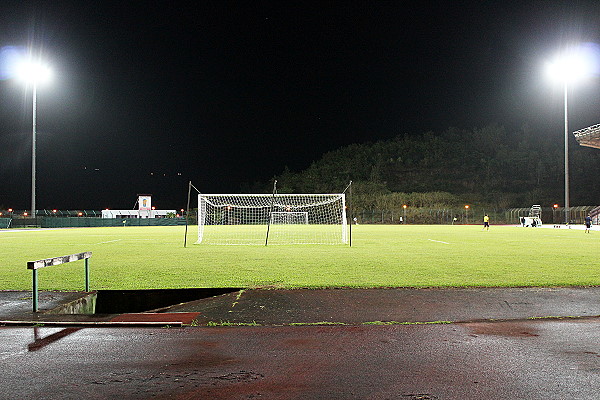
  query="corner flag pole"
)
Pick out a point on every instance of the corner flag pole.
point(187, 213)
point(271, 212)
point(349, 215)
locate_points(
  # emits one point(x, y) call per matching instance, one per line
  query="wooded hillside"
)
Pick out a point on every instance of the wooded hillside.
point(488, 166)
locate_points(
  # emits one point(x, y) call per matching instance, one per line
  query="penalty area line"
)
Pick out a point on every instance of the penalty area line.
point(437, 241)
point(110, 241)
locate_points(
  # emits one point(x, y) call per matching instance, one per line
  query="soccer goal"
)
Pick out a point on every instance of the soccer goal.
point(255, 219)
point(289, 218)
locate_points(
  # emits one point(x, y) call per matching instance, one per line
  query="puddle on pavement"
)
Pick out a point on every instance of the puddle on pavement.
point(135, 301)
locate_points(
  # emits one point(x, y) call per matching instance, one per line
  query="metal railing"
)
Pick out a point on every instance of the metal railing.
point(35, 265)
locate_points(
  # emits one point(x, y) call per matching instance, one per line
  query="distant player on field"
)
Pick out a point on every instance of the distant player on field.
point(486, 222)
point(588, 224)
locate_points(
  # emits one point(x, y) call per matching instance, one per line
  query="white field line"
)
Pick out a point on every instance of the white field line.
point(28, 230)
point(109, 241)
point(437, 241)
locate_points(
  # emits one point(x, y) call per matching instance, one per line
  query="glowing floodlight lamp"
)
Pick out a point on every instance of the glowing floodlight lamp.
point(34, 73)
point(569, 69)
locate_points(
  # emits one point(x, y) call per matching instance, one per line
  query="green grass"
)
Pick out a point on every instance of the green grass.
point(381, 256)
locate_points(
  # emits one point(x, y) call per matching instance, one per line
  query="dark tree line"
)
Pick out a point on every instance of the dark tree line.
point(489, 166)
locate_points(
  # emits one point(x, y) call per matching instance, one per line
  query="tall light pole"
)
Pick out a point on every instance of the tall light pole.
point(568, 67)
point(567, 210)
point(34, 73)
point(33, 136)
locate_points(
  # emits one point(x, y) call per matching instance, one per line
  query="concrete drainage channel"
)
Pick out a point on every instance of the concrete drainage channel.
point(136, 301)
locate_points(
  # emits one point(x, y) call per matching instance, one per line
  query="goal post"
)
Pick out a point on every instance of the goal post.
point(245, 219)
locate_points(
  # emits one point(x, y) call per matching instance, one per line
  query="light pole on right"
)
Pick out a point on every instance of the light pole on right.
point(568, 67)
point(567, 209)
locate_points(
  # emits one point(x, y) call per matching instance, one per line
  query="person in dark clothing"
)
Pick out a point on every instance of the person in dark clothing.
point(588, 224)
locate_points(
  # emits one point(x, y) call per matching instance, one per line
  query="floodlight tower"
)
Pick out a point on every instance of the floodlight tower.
point(568, 67)
point(33, 73)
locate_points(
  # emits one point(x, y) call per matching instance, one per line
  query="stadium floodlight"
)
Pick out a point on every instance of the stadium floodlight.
point(568, 67)
point(33, 73)
point(571, 66)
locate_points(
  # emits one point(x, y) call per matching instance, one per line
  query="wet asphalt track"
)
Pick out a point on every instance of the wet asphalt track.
point(557, 359)
point(513, 358)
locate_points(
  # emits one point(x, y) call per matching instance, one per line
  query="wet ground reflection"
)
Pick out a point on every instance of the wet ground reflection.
point(41, 342)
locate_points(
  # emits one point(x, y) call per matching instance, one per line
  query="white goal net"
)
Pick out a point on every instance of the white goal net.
point(258, 219)
point(291, 217)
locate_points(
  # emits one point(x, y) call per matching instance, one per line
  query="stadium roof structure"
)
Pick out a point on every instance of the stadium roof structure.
point(589, 136)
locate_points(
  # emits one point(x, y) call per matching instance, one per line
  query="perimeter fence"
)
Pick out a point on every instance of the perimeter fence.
point(473, 215)
point(75, 218)
point(57, 222)
point(432, 216)
point(409, 215)
point(556, 215)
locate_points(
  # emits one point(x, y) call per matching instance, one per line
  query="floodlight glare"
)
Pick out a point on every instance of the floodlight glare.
point(31, 72)
point(571, 65)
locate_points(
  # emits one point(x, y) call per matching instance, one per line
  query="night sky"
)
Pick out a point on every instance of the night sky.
point(148, 95)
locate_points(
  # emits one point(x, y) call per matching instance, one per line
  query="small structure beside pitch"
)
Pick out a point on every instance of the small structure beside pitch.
point(144, 210)
point(535, 217)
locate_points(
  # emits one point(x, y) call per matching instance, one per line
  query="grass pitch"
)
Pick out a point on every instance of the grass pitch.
point(380, 256)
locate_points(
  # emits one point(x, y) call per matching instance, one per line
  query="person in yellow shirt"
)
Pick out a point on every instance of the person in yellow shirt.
point(486, 222)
